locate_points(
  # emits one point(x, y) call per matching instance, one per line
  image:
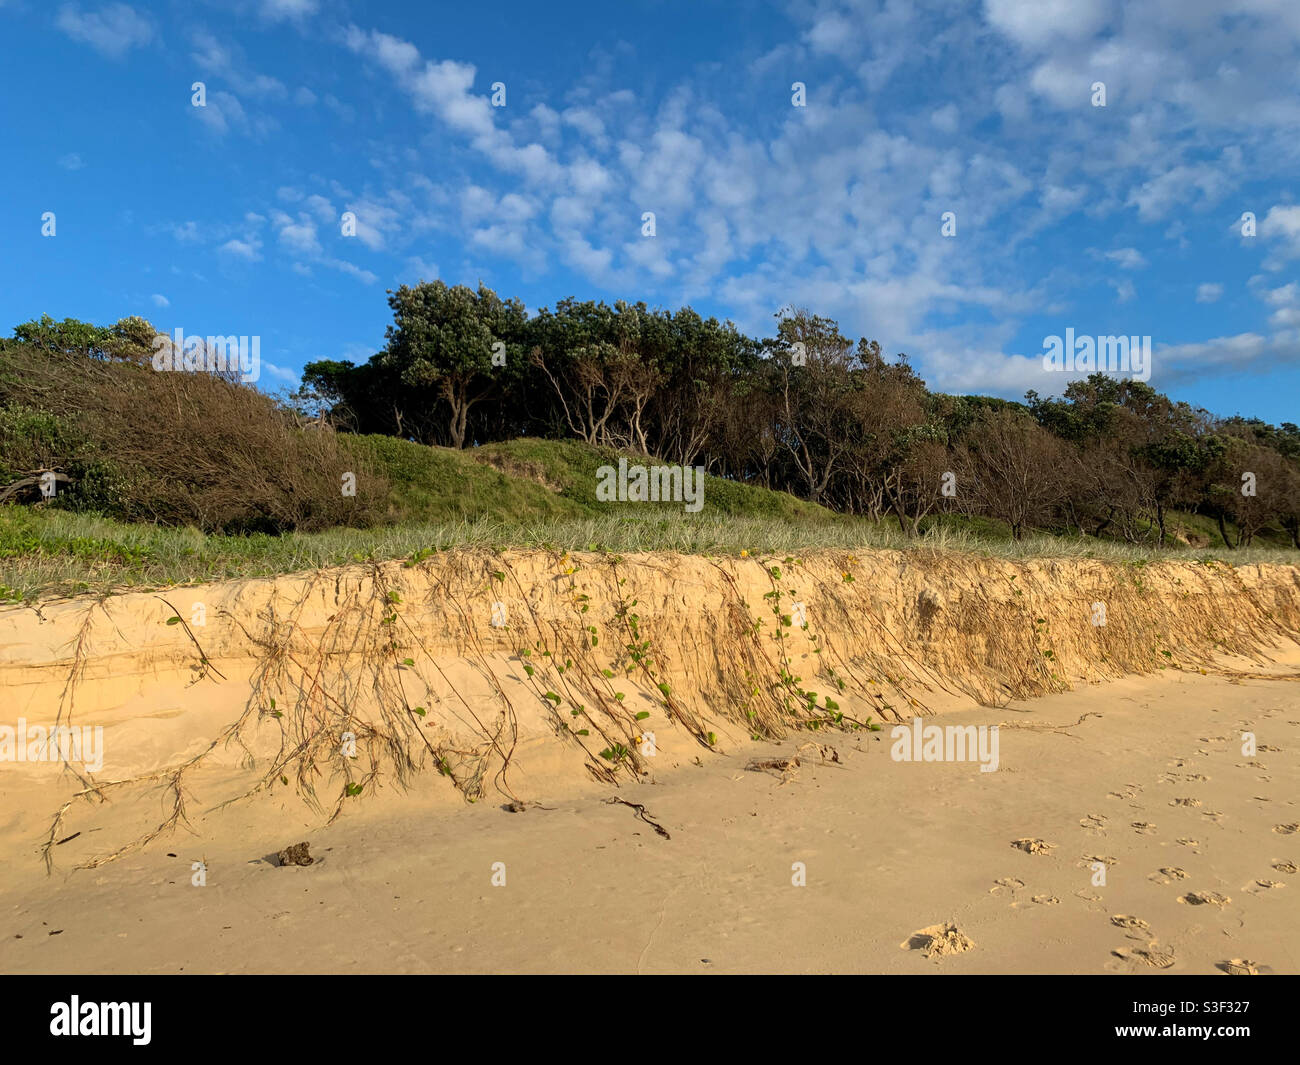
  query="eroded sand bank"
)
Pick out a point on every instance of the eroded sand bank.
point(1198, 839)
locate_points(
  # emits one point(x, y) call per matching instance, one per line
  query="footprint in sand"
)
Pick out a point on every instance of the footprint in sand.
point(1046, 900)
point(1089, 860)
point(1033, 846)
point(1266, 747)
point(938, 940)
point(1176, 778)
point(1006, 884)
point(1285, 866)
point(1190, 842)
point(1267, 885)
point(1287, 830)
point(1184, 802)
point(1128, 921)
point(1167, 875)
point(1144, 828)
point(1093, 823)
point(1129, 791)
point(1251, 765)
point(1204, 898)
point(1238, 967)
point(1153, 955)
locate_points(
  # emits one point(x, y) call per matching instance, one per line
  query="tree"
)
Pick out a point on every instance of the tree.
point(1015, 466)
point(819, 403)
point(441, 344)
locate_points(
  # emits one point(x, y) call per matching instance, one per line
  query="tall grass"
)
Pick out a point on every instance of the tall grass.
point(50, 553)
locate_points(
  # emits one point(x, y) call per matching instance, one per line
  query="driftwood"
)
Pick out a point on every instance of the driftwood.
point(32, 480)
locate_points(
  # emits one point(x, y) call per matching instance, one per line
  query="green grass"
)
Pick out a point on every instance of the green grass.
point(55, 553)
point(571, 468)
point(436, 484)
point(533, 479)
point(526, 493)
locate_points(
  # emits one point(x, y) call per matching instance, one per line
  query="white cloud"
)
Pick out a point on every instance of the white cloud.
point(443, 89)
point(222, 112)
point(1125, 290)
point(214, 58)
point(1243, 352)
point(280, 372)
point(945, 118)
point(280, 10)
point(160, 300)
point(1037, 23)
point(299, 237)
point(1281, 227)
point(113, 30)
point(242, 249)
point(71, 161)
point(1127, 258)
point(1208, 292)
point(366, 277)
point(422, 269)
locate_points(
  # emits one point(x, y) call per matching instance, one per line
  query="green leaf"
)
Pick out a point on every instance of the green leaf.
point(173, 621)
point(642, 715)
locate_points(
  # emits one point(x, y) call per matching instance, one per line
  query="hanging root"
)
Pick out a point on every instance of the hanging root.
point(353, 687)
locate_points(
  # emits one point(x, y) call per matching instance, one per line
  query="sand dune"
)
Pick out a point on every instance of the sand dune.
point(814, 850)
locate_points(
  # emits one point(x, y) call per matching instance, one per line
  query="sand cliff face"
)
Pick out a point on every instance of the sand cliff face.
point(506, 671)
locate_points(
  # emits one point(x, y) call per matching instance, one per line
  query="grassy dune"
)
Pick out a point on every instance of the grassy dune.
point(525, 493)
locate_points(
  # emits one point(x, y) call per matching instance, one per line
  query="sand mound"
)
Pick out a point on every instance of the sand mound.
point(527, 670)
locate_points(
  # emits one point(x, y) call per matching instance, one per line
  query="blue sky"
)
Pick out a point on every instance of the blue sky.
point(1122, 219)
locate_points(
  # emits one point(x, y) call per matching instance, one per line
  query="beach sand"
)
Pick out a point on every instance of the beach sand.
point(1199, 844)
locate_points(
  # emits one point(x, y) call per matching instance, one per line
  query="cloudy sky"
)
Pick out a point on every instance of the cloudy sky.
point(1118, 219)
